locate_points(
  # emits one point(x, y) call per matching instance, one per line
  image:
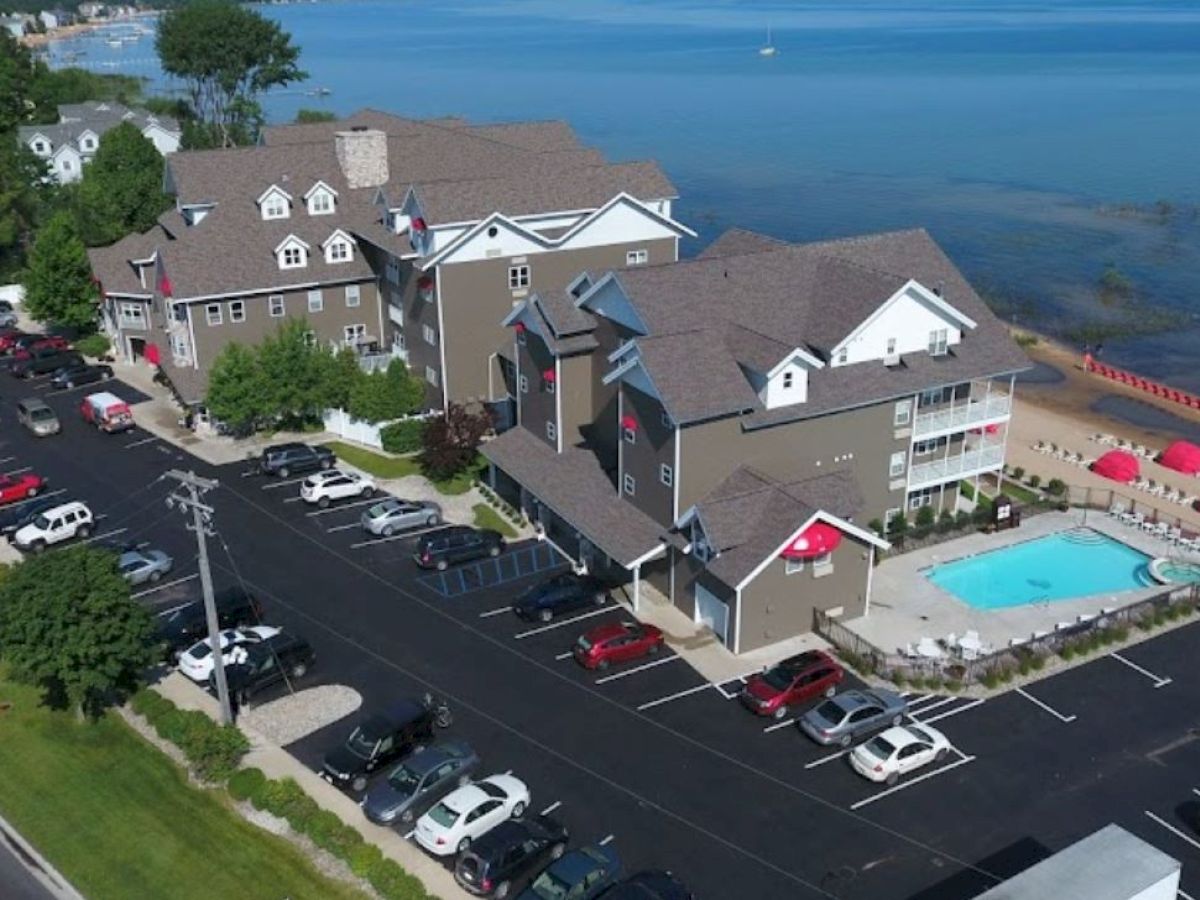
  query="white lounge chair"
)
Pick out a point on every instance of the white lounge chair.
point(1116, 510)
point(1172, 495)
point(1148, 525)
point(1039, 446)
point(1086, 462)
point(1137, 519)
point(1160, 530)
point(1141, 484)
point(1175, 535)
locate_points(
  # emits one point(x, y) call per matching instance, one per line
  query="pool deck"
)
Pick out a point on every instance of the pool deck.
point(906, 606)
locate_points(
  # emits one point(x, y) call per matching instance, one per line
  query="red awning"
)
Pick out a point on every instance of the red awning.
point(548, 375)
point(152, 356)
point(1182, 456)
point(425, 283)
point(815, 540)
point(1117, 465)
point(629, 423)
point(418, 224)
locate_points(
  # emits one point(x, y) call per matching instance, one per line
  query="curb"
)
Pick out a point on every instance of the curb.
point(37, 866)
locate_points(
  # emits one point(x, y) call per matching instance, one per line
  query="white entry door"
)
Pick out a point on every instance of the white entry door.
point(712, 611)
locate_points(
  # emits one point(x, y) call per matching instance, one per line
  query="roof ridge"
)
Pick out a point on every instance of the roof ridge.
point(540, 175)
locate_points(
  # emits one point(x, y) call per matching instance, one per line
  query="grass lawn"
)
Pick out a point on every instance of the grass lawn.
point(120, 820)
point(486, 517)
point(398, 467)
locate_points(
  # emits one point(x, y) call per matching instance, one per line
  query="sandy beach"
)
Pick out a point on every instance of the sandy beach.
point(70, 31)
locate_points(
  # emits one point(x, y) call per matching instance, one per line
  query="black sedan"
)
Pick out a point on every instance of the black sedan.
point(508, 857)
point(561, 594)
point(649, 885)
point(79, 373)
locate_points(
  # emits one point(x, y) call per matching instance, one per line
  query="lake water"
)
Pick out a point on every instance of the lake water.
point(1030, 138)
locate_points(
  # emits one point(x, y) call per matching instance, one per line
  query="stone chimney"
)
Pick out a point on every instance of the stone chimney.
point(363, 155)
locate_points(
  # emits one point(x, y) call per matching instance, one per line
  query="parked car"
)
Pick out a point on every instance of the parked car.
point(649, 885)
point(508, 857)
point(899, 751)
point(391, 515)
point(183, 625)
point(107, 411)
point(8, 340)
point(379, 739)
point(23, 344)
point(284, 459)
point(469, 812)
point(73, 374)
point(196, 662)
point(15, 517)
point(845, 717)
point(560, 594)
point(419, 782)
point(36, 416)
point(792, 682)
point(254, 668)
point(8, 317)
point(616, 642)
point(582, 874)
point(459, 543)
point(140, 566)
point(20, 487)
point(43, 361)
point(325, 487)
point(55, 525)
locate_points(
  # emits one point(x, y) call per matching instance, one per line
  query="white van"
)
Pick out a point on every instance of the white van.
point(57, 524)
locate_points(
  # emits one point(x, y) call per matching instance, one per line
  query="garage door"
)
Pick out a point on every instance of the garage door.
point(712, 611)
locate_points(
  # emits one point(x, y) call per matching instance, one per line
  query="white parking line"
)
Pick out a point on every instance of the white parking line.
point(668, 699)
point(778, 725)
point(42, 496)
point(363, 502)
point(495, 612)
point(6, 459)
point(924, 709)
point(395, 537)
point(19, 471)
point(551, 808)
point(563, 656)
point(1196, 791)
point(720, 686)
point(921, 699)
point(642, 668)
point(282, 483)
point(103, 535)
point(606, 841)
point(826, 759)
point(1158, 681)
point(408, 836)
point(149, 440)
point(607, 608)
point(1036, 702)
point(907, 784)
point(1175, 831)
point(1184, 894)
point(342, 527)
point(293, 499)
point(953, 712)
point(166, 584)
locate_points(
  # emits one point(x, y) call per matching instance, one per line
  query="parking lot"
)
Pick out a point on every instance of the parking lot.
point(648, 756)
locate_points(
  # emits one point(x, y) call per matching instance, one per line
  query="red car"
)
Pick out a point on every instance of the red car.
point(8, 339)
point(791, 682)
point(25, 344)
point(619, 642)
point(20, 487)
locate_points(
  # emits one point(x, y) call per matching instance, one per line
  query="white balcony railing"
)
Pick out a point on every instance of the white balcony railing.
point(960, 465)
point(959, 416)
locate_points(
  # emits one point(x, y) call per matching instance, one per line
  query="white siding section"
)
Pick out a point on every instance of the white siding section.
point(67, 164)
point(907, 319)
point(790, 385)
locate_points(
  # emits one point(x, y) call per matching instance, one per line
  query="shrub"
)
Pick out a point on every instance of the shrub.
point(962, 518)
point(296, 806)
point(171, 725)
point(898, 678)
point(876, 526)
point(150, 704)
point(945, 521)
point(329, 833)
point(268, 796)
point(1056, 487)
point(1005, 675)
point(954, 686)
point(94, 345)
point(403, 437)
point(990, 679)
point(1035, 480)
point(363, 858)
point(393, 883)
point(1025, 666)
point(897, 525)
point(244, 783)
point(925, 517)
point(1018, 473)
point(933, 683)
point(1067, 651)
point(1037, 661)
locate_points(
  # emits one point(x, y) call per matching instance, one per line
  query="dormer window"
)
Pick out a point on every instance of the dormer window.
point(938, 341)
point(321, 199)
point(40, 148)
point(275, 203)
point(338, 248)
point(789, 379)
point(292, 253)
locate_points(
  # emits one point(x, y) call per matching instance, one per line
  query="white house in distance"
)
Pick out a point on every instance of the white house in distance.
point(72, 141)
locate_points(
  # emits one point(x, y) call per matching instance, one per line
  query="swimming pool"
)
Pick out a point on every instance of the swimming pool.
point(1062, 566)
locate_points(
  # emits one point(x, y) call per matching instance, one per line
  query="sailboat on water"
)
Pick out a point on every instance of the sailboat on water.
point(767, 49)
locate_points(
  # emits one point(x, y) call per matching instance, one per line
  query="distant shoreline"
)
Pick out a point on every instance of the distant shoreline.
point(70, 31)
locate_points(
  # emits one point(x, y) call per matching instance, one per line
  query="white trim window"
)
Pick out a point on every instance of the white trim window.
point(666, 475)
point(793, 566)
point(353, 335)
point(320, 203)
point(889, 517)
point(131, 315)
point(237, 311)
point(551, 430)
point(903, 413)
point(310, 338)
point(521, 337)
point(292, 257)
point(924, 448)
point(936, 396)
point(179, 348)
point(939, 341)
point(429, 334)
point(353, 295)
point(629, 435)
point(522, 384)
point(276, 306)
point(897, 463)
point(629, 484)
point(789, 379)
point(843, 356)
point(39, 147)
point(822, 565)
point(637, 257)
point(923, 497)
point(393, 270)
point(212, 313)
point(431, 375)
point(338, 252)
point(316, 301)
point(275, 206)
point(548, 383)
point(518, 277)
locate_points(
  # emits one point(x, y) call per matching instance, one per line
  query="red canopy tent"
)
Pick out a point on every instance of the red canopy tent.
point(1182, 456)
point(1117, 465)
point(815, 540)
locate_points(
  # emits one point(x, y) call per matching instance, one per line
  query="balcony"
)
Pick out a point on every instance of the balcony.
point(960, 416)
point(971, 462)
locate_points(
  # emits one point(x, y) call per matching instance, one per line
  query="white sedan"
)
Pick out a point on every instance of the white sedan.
point(335, 484)
point(899, 751)
point(196, 662)
point(470, 812)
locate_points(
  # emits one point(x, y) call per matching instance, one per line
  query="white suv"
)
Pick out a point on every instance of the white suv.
point(55, 525)
point(335, 485)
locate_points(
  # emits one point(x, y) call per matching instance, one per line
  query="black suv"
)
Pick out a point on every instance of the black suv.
point(456, 544)
point(284, 459)
point(648, 885)
point(181, 626)
point(561, 594)
point(43, 361)
point(17, 517)
point(79, 373)
point(255, 667)
point(506, 858)
point(377, 740)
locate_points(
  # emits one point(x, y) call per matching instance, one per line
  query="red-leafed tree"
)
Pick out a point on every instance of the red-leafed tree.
point(450, 443)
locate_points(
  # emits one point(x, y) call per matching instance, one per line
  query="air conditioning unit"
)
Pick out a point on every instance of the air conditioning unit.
point(892, 359)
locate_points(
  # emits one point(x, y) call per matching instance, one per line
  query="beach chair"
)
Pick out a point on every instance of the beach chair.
point(1148, 525)
point(1106, 439)
point(1160, 530)
point(1175, 535)
point(1039, 446)
point(1086, 462)
point(1142, 484)
point(1116, 510)
point(1172, 494)
point(1128, 518)
point(1137, 519)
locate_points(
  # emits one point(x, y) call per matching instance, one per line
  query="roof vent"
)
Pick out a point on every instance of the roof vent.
point(892, 359)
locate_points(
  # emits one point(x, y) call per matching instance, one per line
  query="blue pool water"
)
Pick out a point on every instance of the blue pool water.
point(1060, 566)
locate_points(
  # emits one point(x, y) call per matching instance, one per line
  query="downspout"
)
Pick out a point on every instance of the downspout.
point(870, 578)
point(558, 389)
point(437, 274)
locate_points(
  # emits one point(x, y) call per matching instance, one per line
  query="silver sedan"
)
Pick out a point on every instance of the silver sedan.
point(393, 515)
point(846, 717)
point(140, 566)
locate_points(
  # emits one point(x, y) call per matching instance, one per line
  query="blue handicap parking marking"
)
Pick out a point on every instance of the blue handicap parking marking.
point(520, 563)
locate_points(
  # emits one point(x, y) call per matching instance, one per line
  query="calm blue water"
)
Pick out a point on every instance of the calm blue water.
point(1061, 566)
point(1013, 129)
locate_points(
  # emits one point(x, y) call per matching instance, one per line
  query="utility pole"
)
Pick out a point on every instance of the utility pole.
point(196, 487)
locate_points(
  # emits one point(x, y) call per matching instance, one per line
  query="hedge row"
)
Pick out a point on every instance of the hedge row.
point(214, 751)
point(403, 437)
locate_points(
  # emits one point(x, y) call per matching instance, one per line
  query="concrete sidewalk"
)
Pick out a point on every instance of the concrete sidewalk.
point(25, 874)
point(277, 763)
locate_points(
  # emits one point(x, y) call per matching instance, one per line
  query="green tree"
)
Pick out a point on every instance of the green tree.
point(311, 116)
point(384, 396)
point(237, 390)
point(293, 368)
point(450, 443)
point(226, 55)
point(58, 283)
point(18, 71)
point(68, 625)
point(21, 200)
point(341, 373)
point(122, 188)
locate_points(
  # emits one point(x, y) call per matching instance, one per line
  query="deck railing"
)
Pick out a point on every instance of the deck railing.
point(989, 456)
point(956, 417)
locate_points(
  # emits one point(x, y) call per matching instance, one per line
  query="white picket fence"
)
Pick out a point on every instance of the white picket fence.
point(344, 425)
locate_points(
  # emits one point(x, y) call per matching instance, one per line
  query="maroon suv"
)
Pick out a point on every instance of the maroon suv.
point(795, 680)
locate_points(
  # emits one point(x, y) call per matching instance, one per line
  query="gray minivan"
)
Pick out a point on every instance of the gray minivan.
point(37, 417)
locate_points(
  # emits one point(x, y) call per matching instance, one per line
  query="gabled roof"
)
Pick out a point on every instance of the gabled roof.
point(738, 241)
point(681, 366)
